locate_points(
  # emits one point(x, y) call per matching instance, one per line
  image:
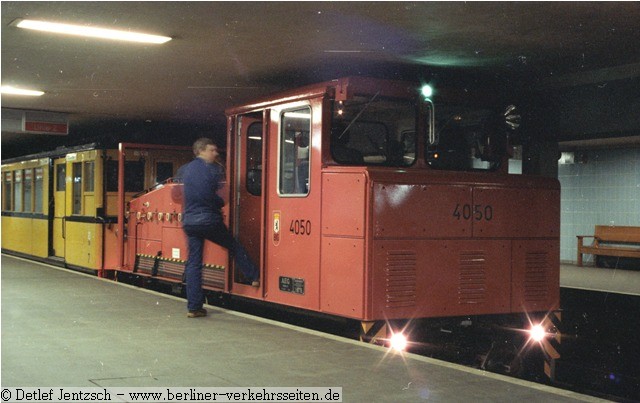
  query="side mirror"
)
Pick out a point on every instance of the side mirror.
point(497, 139)
point(512, 117)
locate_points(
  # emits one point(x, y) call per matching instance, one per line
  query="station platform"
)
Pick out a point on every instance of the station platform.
point(67, 329)
point(618, 281)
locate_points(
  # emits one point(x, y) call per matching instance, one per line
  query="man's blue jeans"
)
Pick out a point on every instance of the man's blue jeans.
point(219, 234)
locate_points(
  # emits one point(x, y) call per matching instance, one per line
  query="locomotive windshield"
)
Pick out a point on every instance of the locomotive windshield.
point(374, 130)
point(469, 139)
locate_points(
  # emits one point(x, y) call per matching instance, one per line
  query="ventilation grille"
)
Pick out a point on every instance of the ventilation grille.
point(213, 276)
point(144, 264)
point(400, 271)
point(537, 269)
point(170, 269)
point(472, 286)
point(157, 266)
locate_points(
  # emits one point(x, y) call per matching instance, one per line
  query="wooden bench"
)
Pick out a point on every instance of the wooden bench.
point(611, 240)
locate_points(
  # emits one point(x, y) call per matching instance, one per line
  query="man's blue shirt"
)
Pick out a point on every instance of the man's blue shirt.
point(201, 201)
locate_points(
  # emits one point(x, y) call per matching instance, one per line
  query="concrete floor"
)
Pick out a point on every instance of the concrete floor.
point(600, 279)
point(62, 328)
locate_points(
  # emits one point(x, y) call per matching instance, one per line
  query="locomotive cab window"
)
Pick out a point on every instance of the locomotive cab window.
point(133, 178)
point(374, 130)
point(294, 167)
point(469, 139)
point(164, 171)
point(254, 159)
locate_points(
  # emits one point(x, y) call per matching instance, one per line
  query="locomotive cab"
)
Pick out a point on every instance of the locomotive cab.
point(361, 198)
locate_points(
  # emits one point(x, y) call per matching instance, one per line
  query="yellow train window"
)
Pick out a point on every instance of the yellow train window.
point(7, 195)
point(38, 190)
point(28, 190)
point(76, 197)
point(89, 176)
point(17, 190)
point(61, 174)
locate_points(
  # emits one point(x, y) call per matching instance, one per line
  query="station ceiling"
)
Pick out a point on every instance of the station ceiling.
point(226, 53)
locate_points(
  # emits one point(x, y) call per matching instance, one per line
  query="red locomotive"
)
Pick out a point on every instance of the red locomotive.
point(367, 199)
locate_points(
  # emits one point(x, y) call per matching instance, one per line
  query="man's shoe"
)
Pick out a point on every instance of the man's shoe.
point(197, 314)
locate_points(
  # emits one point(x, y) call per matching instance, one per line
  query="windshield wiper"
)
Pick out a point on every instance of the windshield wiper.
point(358, 115)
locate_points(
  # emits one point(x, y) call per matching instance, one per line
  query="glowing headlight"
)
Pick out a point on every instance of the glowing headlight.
point(398, 342)
point(427, 91)
point(537, 333)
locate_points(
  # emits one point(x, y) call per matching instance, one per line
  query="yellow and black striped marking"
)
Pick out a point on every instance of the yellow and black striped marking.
point(374, 332)
point(551, 345)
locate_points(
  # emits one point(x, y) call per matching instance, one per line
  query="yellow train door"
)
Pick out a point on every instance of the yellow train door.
point(59, 206)
point(83, 228)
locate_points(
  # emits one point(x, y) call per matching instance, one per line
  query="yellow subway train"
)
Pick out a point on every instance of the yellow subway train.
point(62, 206)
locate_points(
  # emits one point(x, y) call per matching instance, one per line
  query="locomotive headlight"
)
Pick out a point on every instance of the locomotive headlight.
point(427, 91)
point(537, 333)
point(398, 342)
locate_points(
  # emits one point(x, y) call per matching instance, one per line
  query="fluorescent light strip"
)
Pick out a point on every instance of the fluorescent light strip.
point(299, 115)
point(6, 89)
point(92, 32)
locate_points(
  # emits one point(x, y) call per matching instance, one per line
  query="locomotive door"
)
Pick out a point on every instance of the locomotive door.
point(293, 227)
point(59, 207)
point(248, 188)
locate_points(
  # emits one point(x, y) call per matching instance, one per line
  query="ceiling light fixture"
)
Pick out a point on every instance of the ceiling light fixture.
point(92, 32)
point(9, 90)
